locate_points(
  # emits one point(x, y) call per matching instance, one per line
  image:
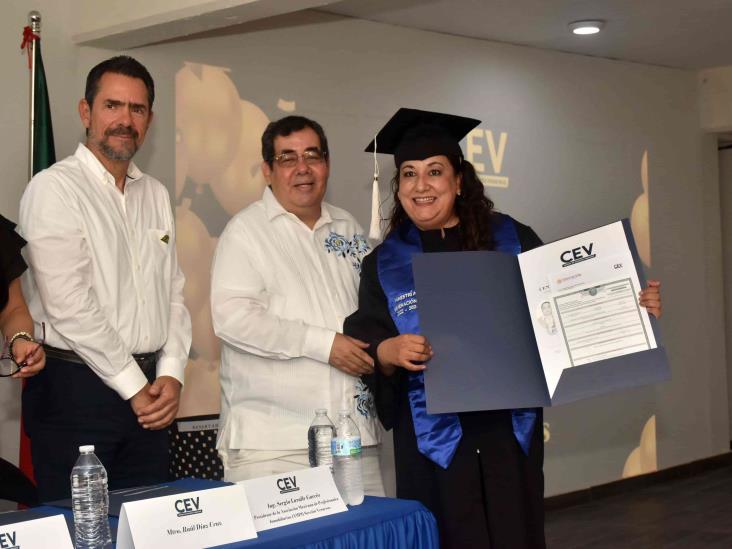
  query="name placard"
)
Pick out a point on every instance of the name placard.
point(186, 521)
point(301, 495)
point(42, 533)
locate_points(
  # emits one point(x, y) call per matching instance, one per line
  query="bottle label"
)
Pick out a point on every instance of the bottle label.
point(343, 447)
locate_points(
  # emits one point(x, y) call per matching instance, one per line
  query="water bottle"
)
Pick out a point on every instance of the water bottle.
point(320, 435)
point(90, 501)
point(346, 449)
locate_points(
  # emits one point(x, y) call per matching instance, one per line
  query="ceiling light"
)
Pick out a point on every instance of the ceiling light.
point(587, 27)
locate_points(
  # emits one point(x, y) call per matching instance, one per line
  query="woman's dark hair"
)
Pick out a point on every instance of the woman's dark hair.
point(473, 208)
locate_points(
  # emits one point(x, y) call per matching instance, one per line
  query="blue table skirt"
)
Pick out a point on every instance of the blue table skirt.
point(377, 523)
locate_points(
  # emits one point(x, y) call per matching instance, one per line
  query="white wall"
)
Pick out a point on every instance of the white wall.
point(138, 22)
point(715, 99)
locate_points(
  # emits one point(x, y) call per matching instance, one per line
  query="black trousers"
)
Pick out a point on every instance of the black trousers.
point(65, 406)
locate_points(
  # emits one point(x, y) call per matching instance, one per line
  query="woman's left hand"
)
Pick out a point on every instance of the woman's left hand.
point(650, 298)
point(32, 354)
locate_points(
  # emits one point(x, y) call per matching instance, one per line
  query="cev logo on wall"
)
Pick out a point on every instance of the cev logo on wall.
point(482, 150)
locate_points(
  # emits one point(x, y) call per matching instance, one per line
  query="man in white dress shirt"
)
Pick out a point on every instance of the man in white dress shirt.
point(104, 279)
point(285, 276)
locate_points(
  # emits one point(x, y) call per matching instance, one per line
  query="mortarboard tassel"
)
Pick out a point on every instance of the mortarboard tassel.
point(375, 227)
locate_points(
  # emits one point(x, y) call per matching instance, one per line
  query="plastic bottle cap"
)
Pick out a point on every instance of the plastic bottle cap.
point(321, 411)
point(86, 448)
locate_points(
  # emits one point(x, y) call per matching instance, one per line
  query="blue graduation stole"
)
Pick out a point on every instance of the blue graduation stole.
point(438, 435)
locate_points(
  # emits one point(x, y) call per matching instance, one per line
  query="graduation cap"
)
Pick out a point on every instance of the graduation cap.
point(412, 134)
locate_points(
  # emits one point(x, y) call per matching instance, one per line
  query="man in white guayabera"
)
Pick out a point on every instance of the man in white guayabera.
point(285, 276)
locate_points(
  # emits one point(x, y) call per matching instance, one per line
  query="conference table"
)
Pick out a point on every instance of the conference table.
point(379, 523)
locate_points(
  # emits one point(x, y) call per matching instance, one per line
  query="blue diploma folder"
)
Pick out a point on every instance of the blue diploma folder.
point(473, 310)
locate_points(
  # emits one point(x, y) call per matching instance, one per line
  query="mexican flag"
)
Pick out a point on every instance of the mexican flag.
point(44, 154)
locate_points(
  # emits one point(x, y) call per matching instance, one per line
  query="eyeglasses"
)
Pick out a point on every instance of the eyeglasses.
point(311, 157)
point(8, 364)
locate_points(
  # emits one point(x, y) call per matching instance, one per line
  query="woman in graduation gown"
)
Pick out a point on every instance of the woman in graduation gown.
point(15, 320)
point(480, 473)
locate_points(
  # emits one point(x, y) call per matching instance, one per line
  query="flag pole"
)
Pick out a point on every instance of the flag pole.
point(34, 21)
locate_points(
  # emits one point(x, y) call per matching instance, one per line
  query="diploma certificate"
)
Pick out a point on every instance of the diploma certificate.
point(582, 294)
point(551, 325)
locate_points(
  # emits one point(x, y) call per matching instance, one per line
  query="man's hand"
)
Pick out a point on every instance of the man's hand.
point(32, 354)
point(141, 399)
point(404, 351)
point(164, 394)
point(348, 355)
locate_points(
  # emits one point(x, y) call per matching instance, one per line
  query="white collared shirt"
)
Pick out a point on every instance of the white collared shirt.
point(103, 270)
point(279, 293)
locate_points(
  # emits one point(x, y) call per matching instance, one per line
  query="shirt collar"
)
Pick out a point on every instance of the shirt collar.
point(92, 162)
point(274, 209)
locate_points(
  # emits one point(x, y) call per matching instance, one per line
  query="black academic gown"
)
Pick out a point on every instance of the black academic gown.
point(491, 499)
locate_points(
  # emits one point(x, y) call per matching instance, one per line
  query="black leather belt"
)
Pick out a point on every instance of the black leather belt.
point(146, 361)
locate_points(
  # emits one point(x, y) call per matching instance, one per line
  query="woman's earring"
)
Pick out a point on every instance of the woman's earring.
point(459, 191)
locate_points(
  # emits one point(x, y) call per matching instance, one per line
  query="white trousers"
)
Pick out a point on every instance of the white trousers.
point(236, 468)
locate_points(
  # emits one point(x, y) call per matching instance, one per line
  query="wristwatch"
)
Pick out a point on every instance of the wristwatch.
point(20, 335)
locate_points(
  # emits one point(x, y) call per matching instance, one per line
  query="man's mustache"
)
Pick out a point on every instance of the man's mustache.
point(122, 131)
